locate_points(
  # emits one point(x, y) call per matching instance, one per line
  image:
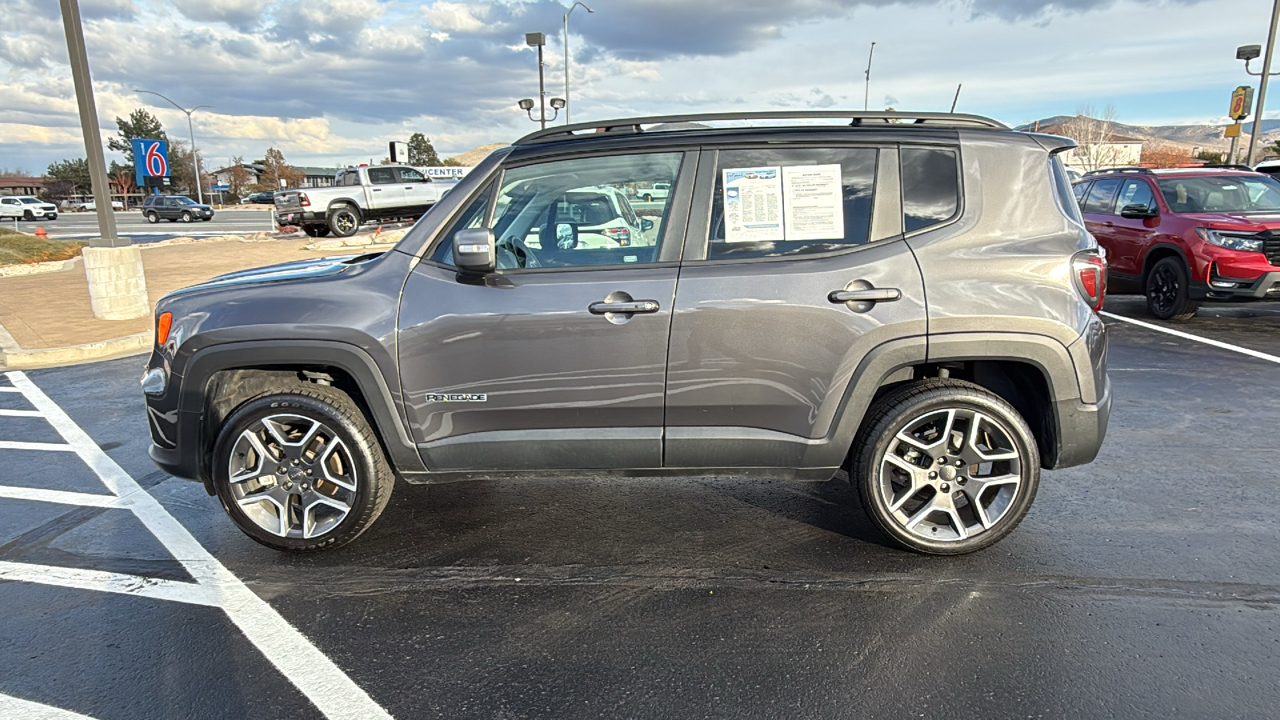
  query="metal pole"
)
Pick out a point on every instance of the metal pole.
point(89, 126)
point(1231, 154)
point(566, 65)
point(956, 99)
point(1262, 86)
point(867, 91)
point(195, 159)
point(542, 91)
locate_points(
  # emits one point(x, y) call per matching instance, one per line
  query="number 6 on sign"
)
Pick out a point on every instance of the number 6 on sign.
point(150, 159)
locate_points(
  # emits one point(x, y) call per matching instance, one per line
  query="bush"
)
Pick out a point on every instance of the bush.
point(17, 248)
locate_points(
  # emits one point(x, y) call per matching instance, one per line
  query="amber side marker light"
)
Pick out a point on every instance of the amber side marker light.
point(163, 323)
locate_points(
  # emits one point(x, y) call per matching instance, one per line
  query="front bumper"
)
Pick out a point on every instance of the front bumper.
point(1220, 288)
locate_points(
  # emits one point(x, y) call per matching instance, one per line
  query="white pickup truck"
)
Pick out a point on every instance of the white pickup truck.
point(359, 195)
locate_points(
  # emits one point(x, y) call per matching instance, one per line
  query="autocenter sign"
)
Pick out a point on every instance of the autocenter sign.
point(446, 172)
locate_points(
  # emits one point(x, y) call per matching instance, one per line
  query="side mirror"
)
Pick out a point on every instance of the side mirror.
point(566, 235)
point(475, 251)
point(646, 224)
point(1137, 212)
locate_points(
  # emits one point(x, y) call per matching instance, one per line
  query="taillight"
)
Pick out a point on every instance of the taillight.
point(303, 200)
point(1090, 269)
point(622, 236)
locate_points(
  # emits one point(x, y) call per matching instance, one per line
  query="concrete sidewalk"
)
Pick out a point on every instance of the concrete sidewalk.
point(46, 320)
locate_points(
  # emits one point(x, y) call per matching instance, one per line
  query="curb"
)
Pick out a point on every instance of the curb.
point(25, 269)
point(14, 357)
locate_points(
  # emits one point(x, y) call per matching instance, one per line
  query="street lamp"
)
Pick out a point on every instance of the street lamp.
point(566, 56)
point(538, 40)
point(1250, 52)
point(527, 106)
point(195, 157)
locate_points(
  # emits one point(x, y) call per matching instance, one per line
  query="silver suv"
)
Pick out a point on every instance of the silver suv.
point(908, 298)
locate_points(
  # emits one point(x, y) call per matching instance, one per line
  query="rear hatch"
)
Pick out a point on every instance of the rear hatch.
point(289, 201)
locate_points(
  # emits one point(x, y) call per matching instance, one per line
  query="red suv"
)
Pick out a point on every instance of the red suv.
point(1186, 235)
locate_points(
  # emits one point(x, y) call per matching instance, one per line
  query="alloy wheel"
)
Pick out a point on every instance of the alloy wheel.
point(950, 475)
point(344, 222)
point(1162, 289)
point(292, 476)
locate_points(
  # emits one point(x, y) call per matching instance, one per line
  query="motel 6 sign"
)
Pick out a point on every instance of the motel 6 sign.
point(150, 159)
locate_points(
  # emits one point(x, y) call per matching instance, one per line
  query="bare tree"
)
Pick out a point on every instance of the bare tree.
point(1095, 136)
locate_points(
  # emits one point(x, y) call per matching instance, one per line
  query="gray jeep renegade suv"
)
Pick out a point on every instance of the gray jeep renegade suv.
point(909, 297)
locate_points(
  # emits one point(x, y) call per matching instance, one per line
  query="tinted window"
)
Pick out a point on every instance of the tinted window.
point(1062, 188)
point(411, 175)
point(382, 176)
point(1136, 192)
point(541, 208)
point(1101, 197)
point(1224, 193)
point(1080, 189)
point(930, 187)
point(784, 202)
point(472, 217)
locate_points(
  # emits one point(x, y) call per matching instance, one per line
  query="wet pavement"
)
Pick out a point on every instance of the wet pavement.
point(1146, 584)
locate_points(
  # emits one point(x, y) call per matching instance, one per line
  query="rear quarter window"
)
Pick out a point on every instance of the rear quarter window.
point(930, 187)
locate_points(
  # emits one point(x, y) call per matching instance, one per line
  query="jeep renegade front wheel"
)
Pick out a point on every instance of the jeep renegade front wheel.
point(301, 470)
point(945, 467)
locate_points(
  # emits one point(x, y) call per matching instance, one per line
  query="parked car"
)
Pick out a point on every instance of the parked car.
point(259, 198)
point(604, 218)
point(359, 194)
point(92, 205)
point(26, 207)
point(659, 191)
point(174, 208)
point(1187, 235)
point(1268, 167)
point(928, 325)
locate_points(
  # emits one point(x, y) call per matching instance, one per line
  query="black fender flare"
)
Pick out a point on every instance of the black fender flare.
point(380, 399)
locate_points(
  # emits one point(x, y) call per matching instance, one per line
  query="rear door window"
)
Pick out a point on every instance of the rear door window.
point(1102, 197)
point(1136, 193)
point(411, 175)
point(786, 202)
point(382, 176)
point(930, 187)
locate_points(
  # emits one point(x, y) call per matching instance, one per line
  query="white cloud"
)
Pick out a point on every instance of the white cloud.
point(457, 17)
point(240, 13)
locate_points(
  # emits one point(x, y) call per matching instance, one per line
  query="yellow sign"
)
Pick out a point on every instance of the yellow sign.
point(1241, 99)
point(1232, 131)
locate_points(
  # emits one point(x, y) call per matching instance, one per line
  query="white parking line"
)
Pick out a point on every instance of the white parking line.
point(61, 497)
point(6, 388)
point(12, 707)
point(20, 413)
point(310, 670)
point(49, 447)
point(1195, 338)
point(156, 588)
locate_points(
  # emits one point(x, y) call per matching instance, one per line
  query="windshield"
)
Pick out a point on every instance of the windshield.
point(30, 200)
point(1221, 194)
point(184, 200)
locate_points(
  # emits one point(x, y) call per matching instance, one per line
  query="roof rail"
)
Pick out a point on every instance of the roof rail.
point(1110, 171)
point(1227, 166)
point(856, 118)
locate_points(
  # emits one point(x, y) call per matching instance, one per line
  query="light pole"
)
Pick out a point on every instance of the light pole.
point(1247, 53)
point(527, 106)
point(538, 40)
point(867, 90)
point(566, 56)
point(195, 157)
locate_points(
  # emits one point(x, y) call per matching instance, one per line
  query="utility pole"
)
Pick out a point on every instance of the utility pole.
point(112, 264)
point(566, 56)
point(538, 40)
point(1262, 86)
point(867, 91)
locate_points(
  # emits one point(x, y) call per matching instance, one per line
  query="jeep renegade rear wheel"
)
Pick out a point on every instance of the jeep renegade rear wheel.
point(301, 470)
point(945, 467)
point(1167, 291)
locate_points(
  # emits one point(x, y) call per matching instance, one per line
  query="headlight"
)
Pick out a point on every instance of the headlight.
point(1247, 242)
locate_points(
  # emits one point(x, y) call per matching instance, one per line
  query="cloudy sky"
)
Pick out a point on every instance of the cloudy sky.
point(331, 81)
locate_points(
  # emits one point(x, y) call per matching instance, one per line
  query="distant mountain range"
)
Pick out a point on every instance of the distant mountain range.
point(1208, 137)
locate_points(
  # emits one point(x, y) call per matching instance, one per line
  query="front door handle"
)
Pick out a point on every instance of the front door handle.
point(632, 306)
point(377, 189)
point(871, 295)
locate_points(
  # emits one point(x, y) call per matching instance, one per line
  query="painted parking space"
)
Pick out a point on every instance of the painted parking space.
point(210, 584)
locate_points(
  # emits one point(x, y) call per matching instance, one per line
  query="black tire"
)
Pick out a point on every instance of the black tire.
point(206, 219)
point(310, 230)
point(153, 218)
point(1166, 289)
point(344, 220)
point(322, 230)
point(337, 411)
point(186, 216)
point(26, 215)
point(899, 411)
point(648, 198)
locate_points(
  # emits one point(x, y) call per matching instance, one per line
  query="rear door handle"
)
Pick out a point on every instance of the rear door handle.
point(632, 306)
point(871, 295)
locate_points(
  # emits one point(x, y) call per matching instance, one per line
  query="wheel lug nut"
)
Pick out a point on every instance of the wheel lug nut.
point(945, 487)
point(282, 469)
point(962, 481)
point(959, 463)
point(942, 460)
point(933, 476)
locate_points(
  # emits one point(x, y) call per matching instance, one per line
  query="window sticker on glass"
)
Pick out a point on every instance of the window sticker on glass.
point(813, 204)
point(753, 204)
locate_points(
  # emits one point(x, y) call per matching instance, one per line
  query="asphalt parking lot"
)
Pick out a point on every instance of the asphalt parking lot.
point(84, 225)
point(1144, 585)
